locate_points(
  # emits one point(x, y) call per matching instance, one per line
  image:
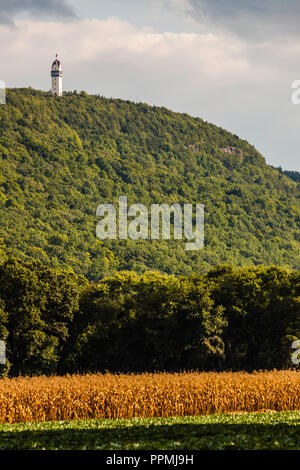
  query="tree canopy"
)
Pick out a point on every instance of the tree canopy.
point(54, 321)
point(61, 157)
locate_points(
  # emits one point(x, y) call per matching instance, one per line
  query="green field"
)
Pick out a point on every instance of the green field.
point(272, 430)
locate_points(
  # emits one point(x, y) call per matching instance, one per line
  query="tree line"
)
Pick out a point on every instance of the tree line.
point(55, 322)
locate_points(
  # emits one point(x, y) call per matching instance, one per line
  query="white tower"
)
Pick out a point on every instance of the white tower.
point(56, 74)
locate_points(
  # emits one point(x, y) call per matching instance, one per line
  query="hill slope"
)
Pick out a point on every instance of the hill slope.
point(61, 157)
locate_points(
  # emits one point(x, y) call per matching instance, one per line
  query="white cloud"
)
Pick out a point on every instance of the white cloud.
point(116, 41)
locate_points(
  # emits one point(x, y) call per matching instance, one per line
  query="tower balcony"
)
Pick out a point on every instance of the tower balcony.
point(56, 73)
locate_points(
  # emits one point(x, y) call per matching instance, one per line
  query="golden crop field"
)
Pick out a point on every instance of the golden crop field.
point(146, 395)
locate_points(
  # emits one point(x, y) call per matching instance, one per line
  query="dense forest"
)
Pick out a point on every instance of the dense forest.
point(61, 157)
point(294, 175)
point(54, 321)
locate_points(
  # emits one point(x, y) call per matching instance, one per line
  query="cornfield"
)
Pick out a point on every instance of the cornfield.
point(146, 395)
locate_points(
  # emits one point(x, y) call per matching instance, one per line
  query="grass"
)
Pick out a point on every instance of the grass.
point(249, 431)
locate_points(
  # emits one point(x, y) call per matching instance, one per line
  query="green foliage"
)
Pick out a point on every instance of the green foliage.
point(148, 322)
point(294, 175)
point(262, 308)
point(55, 321)
point(249, 431)
point(61, 158)
point(39, 303)
point(4, 368)
point(2, 250)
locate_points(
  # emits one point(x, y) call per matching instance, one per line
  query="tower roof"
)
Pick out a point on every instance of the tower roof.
point(56, 63)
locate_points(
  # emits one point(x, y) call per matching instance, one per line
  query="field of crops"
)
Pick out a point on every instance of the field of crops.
point(146, 395)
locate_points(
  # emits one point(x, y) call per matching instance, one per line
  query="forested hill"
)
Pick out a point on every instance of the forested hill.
point(61, 157)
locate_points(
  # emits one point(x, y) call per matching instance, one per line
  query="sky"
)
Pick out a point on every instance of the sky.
point(229, 62)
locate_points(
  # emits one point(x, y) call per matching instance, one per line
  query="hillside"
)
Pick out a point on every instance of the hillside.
point(61, 157)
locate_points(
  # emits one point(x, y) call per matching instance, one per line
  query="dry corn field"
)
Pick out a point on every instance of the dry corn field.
point(146, 395)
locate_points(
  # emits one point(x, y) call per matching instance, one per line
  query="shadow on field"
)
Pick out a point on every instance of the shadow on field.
point(162, 437)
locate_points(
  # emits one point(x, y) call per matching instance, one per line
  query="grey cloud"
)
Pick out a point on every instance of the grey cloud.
point(250, 18)
point(257, 7)
point(36, 8)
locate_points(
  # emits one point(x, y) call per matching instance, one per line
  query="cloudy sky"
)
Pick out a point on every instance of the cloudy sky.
point(231, 62)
